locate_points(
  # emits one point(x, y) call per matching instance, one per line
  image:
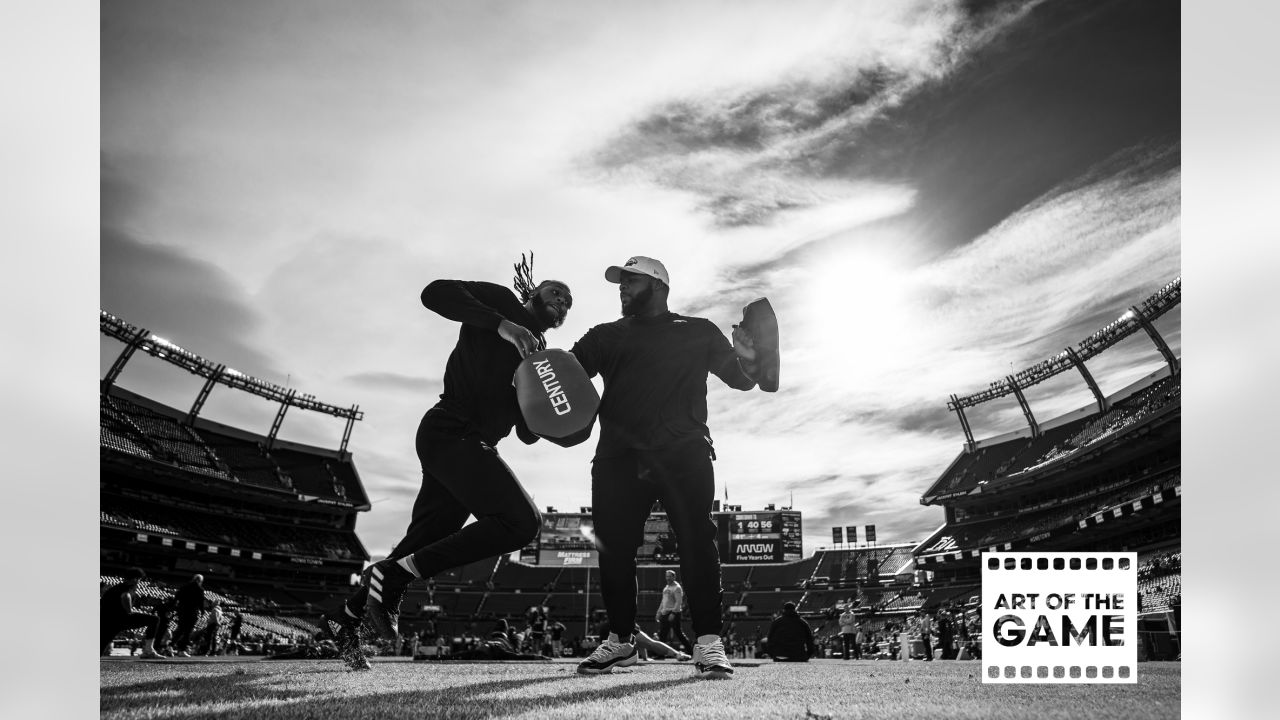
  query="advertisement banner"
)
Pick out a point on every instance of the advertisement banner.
point(753, 551)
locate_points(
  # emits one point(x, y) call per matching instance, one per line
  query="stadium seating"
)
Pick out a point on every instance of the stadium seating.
point(132, 428)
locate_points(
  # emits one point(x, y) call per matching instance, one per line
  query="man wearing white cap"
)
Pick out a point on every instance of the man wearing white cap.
point(654, 445)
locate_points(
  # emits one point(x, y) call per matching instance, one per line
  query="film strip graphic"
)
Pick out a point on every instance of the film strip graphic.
point(1059, 617)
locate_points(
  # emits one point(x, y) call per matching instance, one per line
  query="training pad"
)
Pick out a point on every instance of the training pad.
point(556, 397)
point(759, 320)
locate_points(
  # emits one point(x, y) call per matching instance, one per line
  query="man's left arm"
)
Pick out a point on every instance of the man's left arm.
point(734, 364)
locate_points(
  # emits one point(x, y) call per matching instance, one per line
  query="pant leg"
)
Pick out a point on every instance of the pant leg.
point(677, 632)
point(112, 625)
point(436, 515)
point(480, 483)
point(186, 623)
point(620, 504)
point(686, 486)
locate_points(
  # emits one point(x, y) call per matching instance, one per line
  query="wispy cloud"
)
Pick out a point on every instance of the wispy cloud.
point(393, 381)
point(751, 154)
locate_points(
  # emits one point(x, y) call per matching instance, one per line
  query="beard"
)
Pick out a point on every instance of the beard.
point(545, 314)
point(639, 303)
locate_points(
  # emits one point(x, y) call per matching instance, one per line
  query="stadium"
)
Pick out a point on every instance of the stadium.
point(272, 526)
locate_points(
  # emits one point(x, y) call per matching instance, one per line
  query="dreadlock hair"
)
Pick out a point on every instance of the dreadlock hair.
point(523, 280)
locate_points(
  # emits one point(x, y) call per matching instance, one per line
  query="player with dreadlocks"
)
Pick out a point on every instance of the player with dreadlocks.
point(462, 474)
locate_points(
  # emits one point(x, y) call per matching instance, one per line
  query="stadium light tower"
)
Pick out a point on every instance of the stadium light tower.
point(135, 338)
point(1136, 317)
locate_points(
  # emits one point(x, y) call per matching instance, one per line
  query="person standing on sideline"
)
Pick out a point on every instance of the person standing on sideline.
point(214, 628)
point(848, 632)
point(926, 634)
point(671, 612)
point(790, 637)
point(190, 599)
point(117, 614)
point(456, 443)
point(654, 445)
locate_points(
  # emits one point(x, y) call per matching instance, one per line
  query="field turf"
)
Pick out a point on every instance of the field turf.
point(398, 688)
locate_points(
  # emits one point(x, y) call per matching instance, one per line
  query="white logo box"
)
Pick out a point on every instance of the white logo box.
point(1083, 627)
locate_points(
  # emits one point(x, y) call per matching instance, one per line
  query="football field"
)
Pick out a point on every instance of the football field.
point(399, 688)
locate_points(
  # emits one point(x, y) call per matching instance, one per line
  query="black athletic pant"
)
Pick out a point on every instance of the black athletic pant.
point(461, 476)
point(623, 489)
point(186, 623)
point(849, 646)
point(114, 624)
point(671, 632)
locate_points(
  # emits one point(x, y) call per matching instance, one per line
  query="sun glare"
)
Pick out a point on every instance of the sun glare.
point(857, 312)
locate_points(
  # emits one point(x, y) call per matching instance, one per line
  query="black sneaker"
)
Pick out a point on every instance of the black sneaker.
point(344, 630)
point(612, 653)
point(387, 583)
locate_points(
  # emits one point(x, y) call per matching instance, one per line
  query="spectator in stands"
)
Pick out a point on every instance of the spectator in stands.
point(462, 473)
point(671, 612)
point(117, 613)
point(190, 601)
point(790, 637)
point(848, 633)
point(654, 445)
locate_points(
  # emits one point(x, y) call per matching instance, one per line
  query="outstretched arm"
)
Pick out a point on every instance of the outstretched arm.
point(734, 364)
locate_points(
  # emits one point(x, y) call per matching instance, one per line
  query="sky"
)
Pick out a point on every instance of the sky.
point(932, 195)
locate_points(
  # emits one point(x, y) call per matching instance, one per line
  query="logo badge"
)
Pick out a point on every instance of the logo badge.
point(1059, 617)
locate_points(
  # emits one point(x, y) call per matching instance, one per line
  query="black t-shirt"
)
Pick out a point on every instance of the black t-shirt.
point(478, 395)
point(655, 378)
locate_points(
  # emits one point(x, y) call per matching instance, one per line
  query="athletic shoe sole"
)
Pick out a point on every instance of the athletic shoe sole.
point(627, 661)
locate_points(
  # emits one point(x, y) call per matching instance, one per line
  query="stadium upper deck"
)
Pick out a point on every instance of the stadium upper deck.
point(265, 517)
point(1106, 475)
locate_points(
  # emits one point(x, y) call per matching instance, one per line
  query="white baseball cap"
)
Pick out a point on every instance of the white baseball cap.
point(641, 265)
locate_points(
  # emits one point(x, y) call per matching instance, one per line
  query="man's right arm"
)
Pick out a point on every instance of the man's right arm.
point(472, 303)
point(466, 302)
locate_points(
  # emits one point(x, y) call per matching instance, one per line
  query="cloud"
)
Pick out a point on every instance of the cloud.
point(393, 381)
point(749, 155)
point(192, 302)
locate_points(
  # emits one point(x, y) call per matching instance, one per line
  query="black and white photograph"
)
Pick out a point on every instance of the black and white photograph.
point(636, 359)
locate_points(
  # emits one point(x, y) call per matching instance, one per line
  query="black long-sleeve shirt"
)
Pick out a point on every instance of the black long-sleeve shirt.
point(478, 394)
point(655, 378)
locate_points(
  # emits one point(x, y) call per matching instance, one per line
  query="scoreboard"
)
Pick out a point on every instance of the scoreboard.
point(563, 539)
point(770, 536)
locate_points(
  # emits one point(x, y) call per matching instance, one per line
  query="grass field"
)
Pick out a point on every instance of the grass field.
point(399, 688)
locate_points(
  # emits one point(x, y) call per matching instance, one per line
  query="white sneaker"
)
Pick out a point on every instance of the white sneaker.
point(710, 662)
point(612, 653)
